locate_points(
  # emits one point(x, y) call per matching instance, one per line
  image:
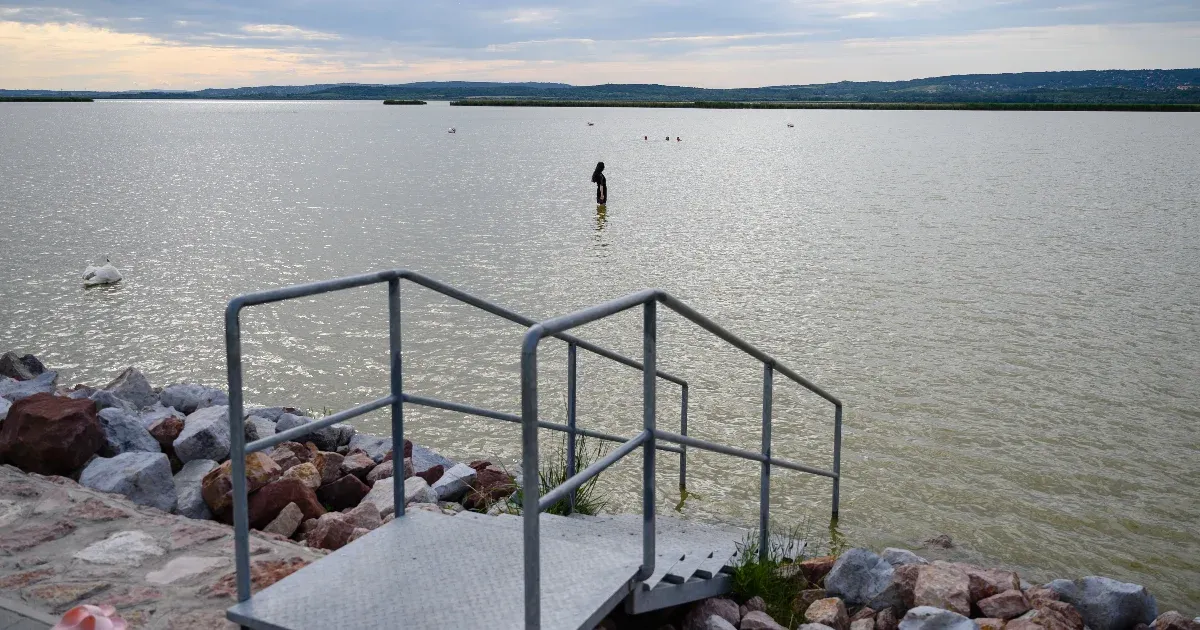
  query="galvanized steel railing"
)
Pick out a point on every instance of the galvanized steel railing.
point(534, 504)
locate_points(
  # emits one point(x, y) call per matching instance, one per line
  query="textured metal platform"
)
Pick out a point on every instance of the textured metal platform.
point(427, 571)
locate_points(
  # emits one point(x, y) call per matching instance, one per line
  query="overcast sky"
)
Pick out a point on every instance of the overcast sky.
point(190, 44)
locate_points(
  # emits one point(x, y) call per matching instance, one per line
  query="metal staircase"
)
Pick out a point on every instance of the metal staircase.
point(425, 570)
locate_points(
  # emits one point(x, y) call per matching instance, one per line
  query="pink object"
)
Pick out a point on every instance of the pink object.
point(88, 617)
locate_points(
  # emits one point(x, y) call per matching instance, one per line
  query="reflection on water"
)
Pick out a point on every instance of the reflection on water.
point(1006, 301)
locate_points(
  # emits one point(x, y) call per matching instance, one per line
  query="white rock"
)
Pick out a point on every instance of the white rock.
point(189, 501)
point(128, 548)
point(158, 412)
point(381, 496)
point(897, 557)
point(205, 435)
point(132, 385)
point(716, 622)
point(188, 397)
point(4, 406)
point(183, 568)
point(143, 477)
point(10, 511)
point(262, 426)
point(454, 483)
point(287, 522)
point(930, 618)
point(417, 491)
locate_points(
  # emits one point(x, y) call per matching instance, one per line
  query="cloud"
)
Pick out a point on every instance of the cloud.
point(860, 16)
point(284, 31)
point(532, 16)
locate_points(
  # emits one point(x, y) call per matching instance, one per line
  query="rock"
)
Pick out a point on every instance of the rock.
point(886, 620)
point(897, 557)
point(271, 414)
point(382, 471)
point(829, 611)
point(697, 616)
point(189, 499)
point(1054, 615)
point(15, 390)
point(33, 364)
point(375, 447)
point(287, 522)
point(345, 433)
point(325, 438)
point(127, 549)
point(431, 475)
point(366, 516)
point(931, 618)
point(347, 492)
point(815, 569)
point(1040, 592)
point(987, 582)
point(184, 568)
point(357, 533)
point(331, 532)
point(358, 464)
point(859, 576)
point(813, 626)
point(285, 457)
point(417, 491)
point(12, 367)
point(715, 622)
point(217, 485)
point(205, 435)
point(863, 624)
point(266, 504)
point(131, 385)
point(262, 427)
point(1107, 604)
point(491, 484)
point(805, 599)
point(989, 623)
point(865, 612)
point(330, 466)
point(4, 407)
point(166, 431)
point(157, 413)
point(424, 459)
point(759, 620)
point(941, 541)
point(307, 473)
point(48, 435)
point(754, 603)
point(381, 496)
point(189, 397)
point(143, 477)
point(1172, 620)
point(943, 586)
point(123, 432)
point(1007, 605)
point(108, 400)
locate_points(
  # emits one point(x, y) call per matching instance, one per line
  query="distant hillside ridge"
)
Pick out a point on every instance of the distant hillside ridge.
point(1083, 87)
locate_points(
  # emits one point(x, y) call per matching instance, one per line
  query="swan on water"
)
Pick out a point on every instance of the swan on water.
point(104, 274)
point(452, 130)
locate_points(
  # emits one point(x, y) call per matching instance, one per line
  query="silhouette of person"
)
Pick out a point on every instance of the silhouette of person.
point(601, 184)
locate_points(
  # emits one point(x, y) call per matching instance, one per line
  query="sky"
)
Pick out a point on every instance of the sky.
point(193, 44)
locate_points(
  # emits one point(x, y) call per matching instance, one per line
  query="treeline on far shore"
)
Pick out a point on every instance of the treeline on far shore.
point(44, 99)
point(1117, 107)
point(400, 101)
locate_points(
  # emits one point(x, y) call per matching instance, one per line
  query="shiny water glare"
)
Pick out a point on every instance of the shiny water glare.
point(1008, 302)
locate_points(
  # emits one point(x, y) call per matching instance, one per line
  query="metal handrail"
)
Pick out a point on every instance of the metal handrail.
point(396, 398)
point(533, 505)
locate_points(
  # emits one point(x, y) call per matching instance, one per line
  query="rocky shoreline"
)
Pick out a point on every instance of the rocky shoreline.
point(165, 452)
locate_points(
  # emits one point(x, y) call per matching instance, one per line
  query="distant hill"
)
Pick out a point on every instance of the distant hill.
point(1088, 86)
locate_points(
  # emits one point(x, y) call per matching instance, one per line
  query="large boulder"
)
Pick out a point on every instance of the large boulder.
point(1107, 604)
point(262, 426)
point(166, 431)
point(287, 522)
point(365, 516)
point(381, 496)
point(158, 413)
point(325, 438)
point(357, 463)
point(897, 557)
point(417, 491)
point(330, 466)
point(143, 477)
point(205, 435)
point(423, 459)
point(15, 390)
point(491, 485)
point(132, 386)
point(108, 400)
point(189, 495)
point(49, 435)
point(697, 616)
point(830, 611)
point(930, 618)
point(1051, 615)
point(1007, 605)
point(454, 483)
point(347, 492)
point(331, 532)
point(430, 475)
point(382, 471)
point(266, 504)
point(12, 366)
point(859, 576)
point(307, 473)
point(943, 586)
point(375, 447)
point(189, 397)
point(123, 432)
point(217, 485)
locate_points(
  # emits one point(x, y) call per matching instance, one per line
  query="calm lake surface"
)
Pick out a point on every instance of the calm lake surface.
point(1008, 302)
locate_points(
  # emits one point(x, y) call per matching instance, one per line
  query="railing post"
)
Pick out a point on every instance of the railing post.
point(837, 456)
point(764, 480)
point(237, 452)
point(395, 366)
point(530, 482)
point(571, 389)
point(683, 448)
point(649, 383)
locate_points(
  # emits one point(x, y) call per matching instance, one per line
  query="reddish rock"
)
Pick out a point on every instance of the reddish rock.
point(166, 431)
point(286, 459)
point(1039, 593)
point(905, 579)
point(266, 504)
point(301, 451)
point(408, 467)
point(365, 516)
point(863, 624)
point(382, 471)
point(759, 620)
point(33, 535)
point(1007, 605)
point(697, 616)
point(263, 573)
point(217, 485)
point(1172, 620)
point(886, 620)
point(806, 599)
point(830, 611)
point(754, 603)
point(95, 510)
point(358, 463)
point(189, 534)
point(943, 586)
point(432, 474)
point(344, 493)
point(1022, 624)
point(815, 569)
point(60, 597)
point(478, 464)
point(21, 580)
point(330, 465)
point(865, 612)
point(128, 597)
point(407, 451)
point(989, 623)
point(1054, 615)
point(358, 532)
point(49, 435)
point(491, 484)
point(331, 532)
point(307, 473)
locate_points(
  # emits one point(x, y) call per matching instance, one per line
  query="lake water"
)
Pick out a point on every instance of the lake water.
point(1008, 302)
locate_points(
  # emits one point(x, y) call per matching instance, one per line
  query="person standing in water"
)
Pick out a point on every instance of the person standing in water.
point(601, 184)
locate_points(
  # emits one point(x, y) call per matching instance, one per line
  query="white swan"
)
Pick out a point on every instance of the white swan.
point(452, 130)
point(104, 274)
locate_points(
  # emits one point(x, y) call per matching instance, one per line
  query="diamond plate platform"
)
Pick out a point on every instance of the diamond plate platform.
point(427, 571)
